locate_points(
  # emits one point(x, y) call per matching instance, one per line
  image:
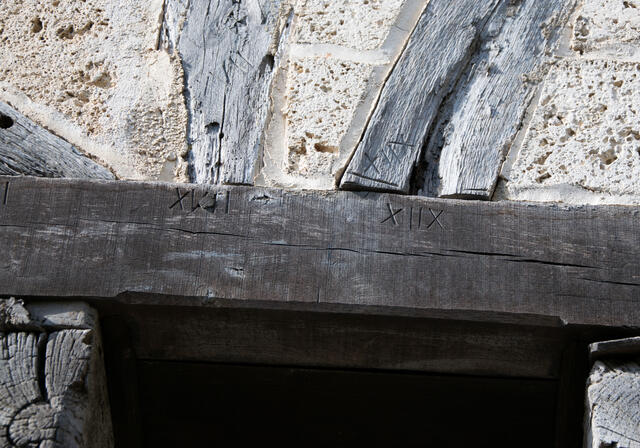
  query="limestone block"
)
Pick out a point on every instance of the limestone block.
point(357, 24)
point(608, 26)
point(322, 95)
point(90, 71)
point(583, 141)
point(327, 85)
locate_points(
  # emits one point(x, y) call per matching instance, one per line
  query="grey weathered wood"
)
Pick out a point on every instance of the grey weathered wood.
point(436, 54)
point(64, 238)
point(227, 50)
point(478, 125)
point(337, 340)
point(613, 405)
point(616, 347)
point(52, 385)
point(28, 149)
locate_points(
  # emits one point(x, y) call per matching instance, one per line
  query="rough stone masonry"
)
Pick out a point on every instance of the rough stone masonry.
point(97, 75)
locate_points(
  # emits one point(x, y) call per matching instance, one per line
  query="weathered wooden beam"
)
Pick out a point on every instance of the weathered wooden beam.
point(63, 238)
point(436, 54)
point(52, 385)
point(615, 348)
point(479, 122)
point(227, 50)
point(30, 150)
point(613, 396)
point(345, 341)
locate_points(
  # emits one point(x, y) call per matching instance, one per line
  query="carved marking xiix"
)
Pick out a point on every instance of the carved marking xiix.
point(419, 218)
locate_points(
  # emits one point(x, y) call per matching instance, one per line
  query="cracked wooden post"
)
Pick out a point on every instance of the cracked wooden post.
point(613, 395)
point(52, 383)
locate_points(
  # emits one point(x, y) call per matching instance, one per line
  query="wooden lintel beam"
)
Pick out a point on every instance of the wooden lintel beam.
point(63, 238)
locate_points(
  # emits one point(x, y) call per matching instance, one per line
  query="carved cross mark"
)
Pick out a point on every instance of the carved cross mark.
point(392, 154)
point(207, 202)
point(180, 198)
point(436, 219)
point(371, 163)
point(392, 215)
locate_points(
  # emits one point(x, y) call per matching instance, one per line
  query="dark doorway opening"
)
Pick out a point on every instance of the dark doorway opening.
point(204, 404)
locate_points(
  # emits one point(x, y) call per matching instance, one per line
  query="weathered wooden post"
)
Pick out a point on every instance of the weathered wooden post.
point(52, 383)
point(613, 395)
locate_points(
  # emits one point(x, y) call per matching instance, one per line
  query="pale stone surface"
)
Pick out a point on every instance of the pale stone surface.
point(357, 24)
point(609, 27)
point(322, 95)
point(327, 86)
point(583, 142)
point(96, 63)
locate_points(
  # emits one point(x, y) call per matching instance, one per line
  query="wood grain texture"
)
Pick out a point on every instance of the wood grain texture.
point(227, 50)
point(30, 150)
point(52, 387)
point(337, 340)
point(613, 405)
point(64, 238)
point(614, 348)
point(480, 120)
point(436, 54)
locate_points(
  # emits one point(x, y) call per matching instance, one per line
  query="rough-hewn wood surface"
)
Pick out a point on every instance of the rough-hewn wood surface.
point(342, 340)
point(437, 53)
point(100, 239)
point(479, 122)
point(227, 49)
point(615, 348)
point(52, 385)
point(28, 149)
point(458, 89)
point(613, 404)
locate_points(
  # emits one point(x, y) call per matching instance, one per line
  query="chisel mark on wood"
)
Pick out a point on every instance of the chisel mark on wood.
point(180, 198)
point(392, 215)
point(5, 198)
point(436, 219)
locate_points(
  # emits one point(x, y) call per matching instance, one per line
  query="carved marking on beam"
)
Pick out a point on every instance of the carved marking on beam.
point(207, 202)
point(436, 219)
point(180, 198)
point(392, 215)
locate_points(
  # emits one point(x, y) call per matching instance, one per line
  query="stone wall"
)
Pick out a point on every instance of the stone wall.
point(95, 74)
point(582, 143)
